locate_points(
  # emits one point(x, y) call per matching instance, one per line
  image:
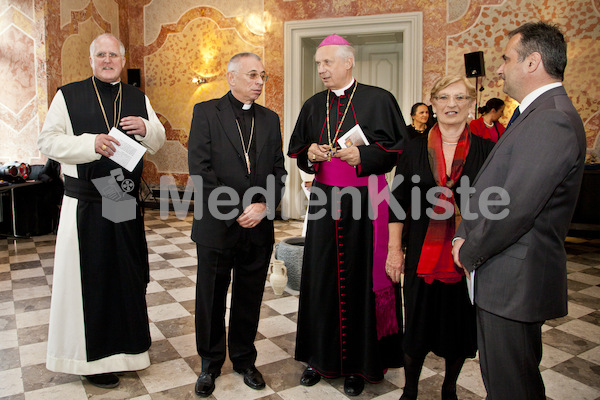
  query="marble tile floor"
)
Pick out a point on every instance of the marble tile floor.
point(571, 362)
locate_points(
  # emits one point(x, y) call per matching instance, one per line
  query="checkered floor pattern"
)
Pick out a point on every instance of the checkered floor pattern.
point(570, 366)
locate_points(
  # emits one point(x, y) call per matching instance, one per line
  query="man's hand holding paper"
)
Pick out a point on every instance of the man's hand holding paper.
point(128, 153)
point(349, 143)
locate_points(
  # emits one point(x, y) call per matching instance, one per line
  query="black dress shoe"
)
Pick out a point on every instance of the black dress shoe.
point(104, 381)
point(354, 385)
point(252, 377)
point(205, 384)
point(449, 394)
point(310, 377)
point(408, 396)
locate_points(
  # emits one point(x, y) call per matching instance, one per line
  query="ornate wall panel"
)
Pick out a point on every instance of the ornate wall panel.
point(457, 9)
point(105, 10)
point(75, 52)
point(22, 78)
point(200, 42)
point(203, 48)
point(163, 12)
point(79, 26)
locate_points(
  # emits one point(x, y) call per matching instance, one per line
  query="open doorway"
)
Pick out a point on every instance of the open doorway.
point(388, 54)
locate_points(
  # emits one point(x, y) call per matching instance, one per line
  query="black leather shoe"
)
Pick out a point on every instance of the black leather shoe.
point(449, 394)
point(104, 381)
point(354, 385)
point(408, 396)
point(310, 377)
point(252, 377)
point(205, 384)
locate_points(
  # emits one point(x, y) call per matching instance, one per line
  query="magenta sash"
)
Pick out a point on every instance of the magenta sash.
point(338, 173)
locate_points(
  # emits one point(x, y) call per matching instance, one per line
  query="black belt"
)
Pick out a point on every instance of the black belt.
point(81, 189)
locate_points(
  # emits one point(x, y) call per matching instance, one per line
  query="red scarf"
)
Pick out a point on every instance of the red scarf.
point(436, 255)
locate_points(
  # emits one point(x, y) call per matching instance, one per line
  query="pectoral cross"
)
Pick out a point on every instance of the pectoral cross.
point(330, 153)
point(247, 162)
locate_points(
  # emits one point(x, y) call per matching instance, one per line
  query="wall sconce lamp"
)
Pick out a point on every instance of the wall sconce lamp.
point(199, 80)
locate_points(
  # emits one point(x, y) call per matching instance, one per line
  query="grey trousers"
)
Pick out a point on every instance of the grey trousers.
point(509, 356)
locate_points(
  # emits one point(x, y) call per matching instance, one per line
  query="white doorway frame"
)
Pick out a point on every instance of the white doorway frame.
point(411, 27)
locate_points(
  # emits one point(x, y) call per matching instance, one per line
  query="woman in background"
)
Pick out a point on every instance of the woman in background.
point(419, 114)
point(487, 126)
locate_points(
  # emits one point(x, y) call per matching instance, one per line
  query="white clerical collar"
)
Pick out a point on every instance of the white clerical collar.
point(339, 92)
point(537, 93)
point(110, 83)
point(246, 106)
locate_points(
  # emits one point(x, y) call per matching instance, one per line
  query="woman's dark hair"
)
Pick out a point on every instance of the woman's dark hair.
point(492, 104)
point(415, 106)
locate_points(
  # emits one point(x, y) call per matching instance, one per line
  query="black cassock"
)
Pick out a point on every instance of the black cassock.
point(337, 324)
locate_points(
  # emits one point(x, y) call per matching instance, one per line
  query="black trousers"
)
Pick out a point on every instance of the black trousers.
point(250, 264)
point(510, 353)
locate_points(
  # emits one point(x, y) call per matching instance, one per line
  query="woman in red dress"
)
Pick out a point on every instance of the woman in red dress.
point(487, 126)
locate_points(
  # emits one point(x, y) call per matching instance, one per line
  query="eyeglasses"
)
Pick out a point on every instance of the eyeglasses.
point(110, 55)
point(255, 75)
point(458, 98)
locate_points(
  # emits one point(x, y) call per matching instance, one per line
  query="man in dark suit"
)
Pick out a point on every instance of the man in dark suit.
point(235, 156)
point(517, 251)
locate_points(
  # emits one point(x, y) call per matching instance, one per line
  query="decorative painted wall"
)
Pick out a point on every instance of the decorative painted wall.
point(23, 97)
point(71, 25)
point(580, 22)
point(204, 39)
point(44, 44)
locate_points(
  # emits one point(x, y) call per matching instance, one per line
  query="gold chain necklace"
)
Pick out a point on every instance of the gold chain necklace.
point(116, 117)
point(337, 131)
point(418, 130)
point(246, 151)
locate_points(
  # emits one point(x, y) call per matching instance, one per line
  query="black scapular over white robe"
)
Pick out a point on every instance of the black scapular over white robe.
point(98, 313)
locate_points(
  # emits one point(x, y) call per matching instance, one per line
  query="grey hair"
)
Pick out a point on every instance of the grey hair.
point(234, 63)
point(106, 35)
point(346, 51)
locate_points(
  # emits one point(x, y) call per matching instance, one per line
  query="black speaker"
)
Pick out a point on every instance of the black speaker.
point(474, 64)
point(134, 77)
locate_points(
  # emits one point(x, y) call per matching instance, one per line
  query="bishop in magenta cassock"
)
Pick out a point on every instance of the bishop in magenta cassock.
point(350, 313)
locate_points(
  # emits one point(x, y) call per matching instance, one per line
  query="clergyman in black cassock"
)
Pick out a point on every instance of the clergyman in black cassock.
point(350, 313)
point(235, 144)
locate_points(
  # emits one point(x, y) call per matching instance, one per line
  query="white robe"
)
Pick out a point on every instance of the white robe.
point(66, 337)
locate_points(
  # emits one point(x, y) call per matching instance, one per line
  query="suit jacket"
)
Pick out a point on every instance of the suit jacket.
point(215, 155)
point(520, 260)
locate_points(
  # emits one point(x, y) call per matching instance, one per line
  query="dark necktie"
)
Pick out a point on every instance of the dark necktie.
point(514, 116)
